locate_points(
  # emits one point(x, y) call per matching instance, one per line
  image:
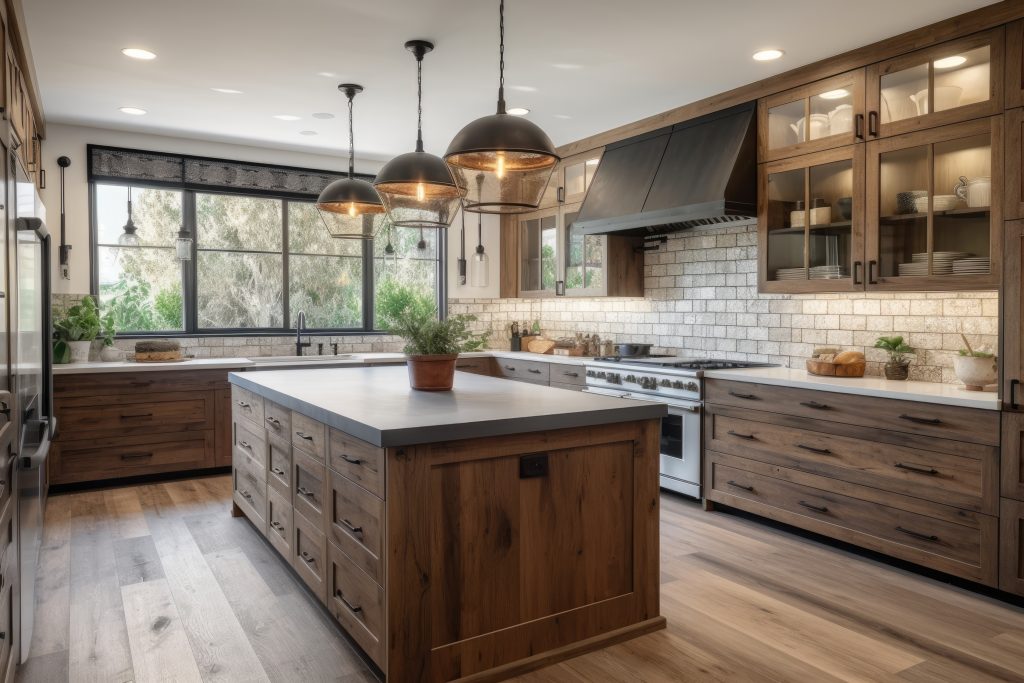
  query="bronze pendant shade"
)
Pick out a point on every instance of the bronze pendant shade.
point(350, 207)
point(417, 188)
point(515, 156)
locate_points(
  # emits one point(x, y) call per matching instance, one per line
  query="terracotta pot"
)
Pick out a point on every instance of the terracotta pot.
point(432, 373)
point(897, 370)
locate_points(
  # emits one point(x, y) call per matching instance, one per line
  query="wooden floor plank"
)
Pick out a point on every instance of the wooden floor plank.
point(48, 668)
point(53, 605)
point(137, 560)
point(160, 649)
point(125, 512)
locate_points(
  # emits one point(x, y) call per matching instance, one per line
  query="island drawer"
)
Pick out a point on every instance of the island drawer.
point(536, 372)
point(279, 523)
point(278, 420)
point(563, 373)
point(127, 456)
point(929, 419)
point(309, 480)
point(245, 403)
point(129, 415)
point(309, 554)
point(356, 524)
point(357, 602)
point(279, 467)
point(916, 466)
point(361, 462)
point(476, 365)
point(139, 383)
point(251, 441)
point(309, 435)
point(568, 387)
point(943, 538)
point(249, 493)
point(251, 470)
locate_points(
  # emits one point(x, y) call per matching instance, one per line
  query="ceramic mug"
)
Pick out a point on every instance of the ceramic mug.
point(976, 192)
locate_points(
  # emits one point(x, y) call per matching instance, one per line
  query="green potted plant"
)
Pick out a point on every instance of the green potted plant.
point(78, 328)
point(898, 366)
point(433, 345)
point(976, 368)
point(109, 353)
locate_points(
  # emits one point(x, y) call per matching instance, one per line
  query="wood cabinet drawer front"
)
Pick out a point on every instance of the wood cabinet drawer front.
point(279, 466)
point(309, 552)
point(966, 549)
point(278, 420)
point(356, 524)
point(361, 462)
point(95, 459)
point(477, 366)
point(136, 383)
point(251, 441)
point(309, 481)
point(567, 374)
point(309, 435)
point(250, 494)
point(250, 471)
point(569, 387)
point(534, 371)
point(245, 403)
point(945, 478)
point(279, 522)
point(133, 417)
point(357, 602)
point(930, 419)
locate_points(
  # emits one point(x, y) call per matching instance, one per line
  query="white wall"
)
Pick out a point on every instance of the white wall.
point(71, 141)
point(492, 247)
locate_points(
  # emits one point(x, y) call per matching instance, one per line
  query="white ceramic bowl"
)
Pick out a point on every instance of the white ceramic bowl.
point(975, 373)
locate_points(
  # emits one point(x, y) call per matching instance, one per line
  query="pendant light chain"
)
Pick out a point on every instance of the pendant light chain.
point(501, 56)
point(419, 103)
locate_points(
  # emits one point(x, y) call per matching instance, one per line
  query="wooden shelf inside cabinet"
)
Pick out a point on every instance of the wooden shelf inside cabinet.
point(971, 212)
point(838, 227)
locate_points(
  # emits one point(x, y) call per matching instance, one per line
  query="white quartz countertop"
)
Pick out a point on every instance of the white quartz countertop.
point(376, 404)
point(925, 392)
point(132, 366)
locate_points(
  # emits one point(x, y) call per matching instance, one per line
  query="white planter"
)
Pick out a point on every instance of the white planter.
point(111, 354)
point(80, 351)
point(975, 373)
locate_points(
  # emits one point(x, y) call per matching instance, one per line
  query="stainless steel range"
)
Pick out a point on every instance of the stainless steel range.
point(679, 384)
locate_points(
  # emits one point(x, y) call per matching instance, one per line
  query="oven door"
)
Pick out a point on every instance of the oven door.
point(681, 448)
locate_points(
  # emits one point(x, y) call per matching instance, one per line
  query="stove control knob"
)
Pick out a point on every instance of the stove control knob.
point(591, 373)
point(665, 383)
point(614, 378)
point(601, 375)
point(678, 385)
point(692, 386)
point(648, 383)
point(631, 378)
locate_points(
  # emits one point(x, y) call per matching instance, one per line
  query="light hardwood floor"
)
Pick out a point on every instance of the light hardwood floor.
point(159, 583)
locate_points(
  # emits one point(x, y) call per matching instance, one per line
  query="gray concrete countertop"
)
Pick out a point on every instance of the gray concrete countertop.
point(377, 405)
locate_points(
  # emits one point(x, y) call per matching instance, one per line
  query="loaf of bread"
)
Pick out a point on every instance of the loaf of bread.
point(849, 357)
point(824, 351)
point(150, 351)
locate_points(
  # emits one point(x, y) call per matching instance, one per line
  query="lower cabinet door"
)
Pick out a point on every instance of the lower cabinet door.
point(279, 523)
point(250, 493)
point(309, 555)
point(1011, 546)
point(357, 602)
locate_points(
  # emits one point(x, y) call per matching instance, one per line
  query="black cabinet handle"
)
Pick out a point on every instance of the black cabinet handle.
point(303, 491)
point(871, 272)
point(243, 404)
point(136, 456)
point(278, 471)
point(919, 470)
point(307, 558)
point(303, 435)
point(245, 445)
point(740, 486)
point(571, 374)
point(351, 527)
point(921, 420)
point(873, 123)
point(354, 609)
point(509, 368)
point(1014, 383)
point(747, 397)
point(533, 370)
point(748, 437)
point(277, 525)
point(816, 508)
point(136, 416)
point(858, 127)
point(245, 494)
point(857, 265)
point(274, 422)
point(351, 461)
point(915, 534)
point(812, 449)
point(816, 405)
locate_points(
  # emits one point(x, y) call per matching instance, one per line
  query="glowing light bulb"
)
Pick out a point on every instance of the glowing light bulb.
point(352, 209)
point(420, 192)
point(500, 171)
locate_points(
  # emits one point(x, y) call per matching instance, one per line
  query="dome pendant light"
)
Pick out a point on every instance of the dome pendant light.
point(350, 207)
point(417, 188)
point(514, 154)
point(128, 238)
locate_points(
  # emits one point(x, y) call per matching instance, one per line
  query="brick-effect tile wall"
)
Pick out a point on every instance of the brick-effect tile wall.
point(701, 298)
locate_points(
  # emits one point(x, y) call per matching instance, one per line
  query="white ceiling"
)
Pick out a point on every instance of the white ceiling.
point(580, 66)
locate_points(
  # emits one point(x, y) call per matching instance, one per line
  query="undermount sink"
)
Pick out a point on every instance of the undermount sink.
point(275, 360)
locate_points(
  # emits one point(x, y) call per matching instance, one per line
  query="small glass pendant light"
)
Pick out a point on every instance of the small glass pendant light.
point(462, 253)
point(480, 267)
point(350, 207)
point(417, 188)
point(516, 157)
point(183, 245)
point(129, 238)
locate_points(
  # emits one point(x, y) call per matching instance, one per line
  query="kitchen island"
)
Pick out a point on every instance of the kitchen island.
point(473, 534)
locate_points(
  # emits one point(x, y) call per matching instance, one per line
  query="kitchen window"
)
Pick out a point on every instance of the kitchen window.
point(257, 261)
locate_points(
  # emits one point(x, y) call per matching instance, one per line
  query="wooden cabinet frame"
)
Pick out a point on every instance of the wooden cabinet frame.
point(1012, 456)
point(1015, 64)
point(1014, 171)
point(1011, 546)
point(1011, 319)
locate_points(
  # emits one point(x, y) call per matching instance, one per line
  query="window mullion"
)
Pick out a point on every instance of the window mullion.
point(285, 286)
point(190, 268)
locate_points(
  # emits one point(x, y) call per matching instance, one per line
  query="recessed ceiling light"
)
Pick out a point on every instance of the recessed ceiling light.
point(835, 94)
point(227, 91)
point(518, 111)
point(307, 132)
point(523, 88)
point(327, 74)
point(323, 115)
point(138, 53)
point(562, 116)
point(767, 55)
point(286, 117)
point(593, 162)
point(567, 67)
point(134, 111)
point(949, 62)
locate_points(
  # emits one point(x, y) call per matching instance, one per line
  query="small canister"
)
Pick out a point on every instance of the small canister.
point(796, 216)
point(821, 212)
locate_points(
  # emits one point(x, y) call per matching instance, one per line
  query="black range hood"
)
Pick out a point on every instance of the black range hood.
point(696, 173)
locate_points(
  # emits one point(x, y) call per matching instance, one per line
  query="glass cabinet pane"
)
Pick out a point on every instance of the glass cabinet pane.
point(904, 93)
point(831, 113)
point(537, 253)
point(962, 206)
point(575, 179)
point(786, 221)
point(830, 248)
point(549, 243)
point(786, 125)
point(903, 217)
point(962, 78)
point(583, 257)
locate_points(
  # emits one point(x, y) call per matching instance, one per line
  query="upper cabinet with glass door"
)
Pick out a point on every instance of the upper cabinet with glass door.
point(811, 118)
point(538, 258)
point(955, 81)
point(571, 179)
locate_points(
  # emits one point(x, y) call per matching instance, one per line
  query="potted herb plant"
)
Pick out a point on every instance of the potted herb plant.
point(109, 353)
point(433, 345)
point(976, 368)
point(898, 366)
point(78, 328)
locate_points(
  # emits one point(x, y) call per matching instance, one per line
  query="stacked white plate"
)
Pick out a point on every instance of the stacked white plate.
point(834, 272)
point(971, 266)
point(942, 263)
point(790, 274)
point(912, 269)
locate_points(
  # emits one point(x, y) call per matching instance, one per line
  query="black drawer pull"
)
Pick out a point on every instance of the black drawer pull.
point(351, 461)
point(303, 435)
point(136, 416)
point(510, 368)
point(306, 557)
point(747, 397)
point(274, 422)
point(921, 420)
point(740, 486)
point(815, 405)
point(919, 470)
point(748, 437)
point(278, 471)
point(246, 494)
point(354, 609)
point(915, 534)
point(812, 449)
point(533, 370)
point(243, 404)
point(303, 491)
point(354, 529)
point(571, 374)
point(245, 445)
point(816, 508)
point(277, 525)
point(136, 456)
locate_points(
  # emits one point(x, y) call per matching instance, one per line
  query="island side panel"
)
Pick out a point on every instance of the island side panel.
point(491, 573)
